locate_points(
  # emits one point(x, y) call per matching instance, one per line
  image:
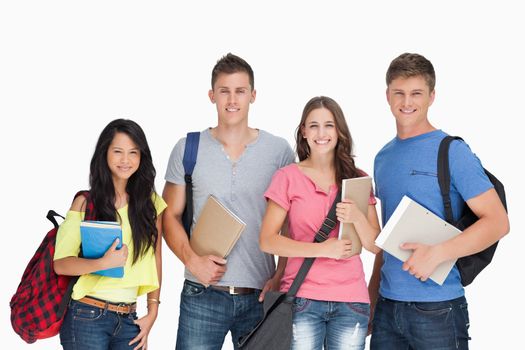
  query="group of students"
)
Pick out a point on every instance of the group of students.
point(283, 203)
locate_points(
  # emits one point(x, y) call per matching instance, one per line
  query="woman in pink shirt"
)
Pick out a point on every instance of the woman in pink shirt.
point(332, 306)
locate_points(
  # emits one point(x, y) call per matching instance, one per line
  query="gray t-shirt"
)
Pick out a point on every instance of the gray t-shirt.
point(240, 186)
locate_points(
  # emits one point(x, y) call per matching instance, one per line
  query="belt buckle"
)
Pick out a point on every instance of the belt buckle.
point(232, 290)
point(121, 306)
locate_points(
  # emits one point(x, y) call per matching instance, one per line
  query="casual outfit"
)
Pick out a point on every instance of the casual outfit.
point(410, 312)
point(332, 305)
point(92, 327)
point(240, 186)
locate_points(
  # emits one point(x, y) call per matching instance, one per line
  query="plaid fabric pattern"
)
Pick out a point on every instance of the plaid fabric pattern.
point(40, 301)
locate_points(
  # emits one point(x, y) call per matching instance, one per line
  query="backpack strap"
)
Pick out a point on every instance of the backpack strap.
point(51, 217)
point(322, 235)
point(189, 160)
point(443, 173)
point(89, 213)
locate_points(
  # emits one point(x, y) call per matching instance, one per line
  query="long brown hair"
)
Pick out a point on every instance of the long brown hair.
point(343, 159)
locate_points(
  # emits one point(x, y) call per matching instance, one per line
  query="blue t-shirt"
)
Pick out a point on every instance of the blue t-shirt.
point(409, 167)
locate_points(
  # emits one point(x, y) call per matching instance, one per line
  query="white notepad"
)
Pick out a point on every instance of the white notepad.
point(413, 223)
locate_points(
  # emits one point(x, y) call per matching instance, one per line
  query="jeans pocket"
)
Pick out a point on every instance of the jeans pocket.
point(362, 309)
point(433, 308)
point(87, 313)
point(192, 289)
point(300, 304)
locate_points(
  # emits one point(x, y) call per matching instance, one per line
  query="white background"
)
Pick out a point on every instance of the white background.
point(67, 68)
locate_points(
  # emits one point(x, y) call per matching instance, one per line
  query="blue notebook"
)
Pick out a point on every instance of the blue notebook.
point(97, 237)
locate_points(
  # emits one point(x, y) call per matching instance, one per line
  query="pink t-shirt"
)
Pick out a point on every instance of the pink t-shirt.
point(307, 206)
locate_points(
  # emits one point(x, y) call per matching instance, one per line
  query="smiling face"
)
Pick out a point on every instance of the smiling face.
point(409, 100)
point(232, 94)
point(123, 157)
point(320, 131)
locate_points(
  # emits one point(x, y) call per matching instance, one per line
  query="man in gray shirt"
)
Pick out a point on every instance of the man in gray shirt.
point(235, 163)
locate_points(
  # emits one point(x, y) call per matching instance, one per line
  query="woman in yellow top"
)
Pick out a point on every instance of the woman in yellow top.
point(101, 314)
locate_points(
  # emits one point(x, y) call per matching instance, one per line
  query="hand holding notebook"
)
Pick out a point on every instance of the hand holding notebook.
point(412, 223)
point(358, 191)
point(97, 237)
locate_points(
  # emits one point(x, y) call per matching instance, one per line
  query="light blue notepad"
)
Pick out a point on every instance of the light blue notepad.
point(97, 237)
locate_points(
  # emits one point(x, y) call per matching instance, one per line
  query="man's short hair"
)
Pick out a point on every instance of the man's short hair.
point(230, 64)
point(409, 65)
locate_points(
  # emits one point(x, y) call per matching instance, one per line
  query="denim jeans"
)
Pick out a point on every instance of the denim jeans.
point(336, 325)
point(88, 327)
point(439, 325)
point(207, 314)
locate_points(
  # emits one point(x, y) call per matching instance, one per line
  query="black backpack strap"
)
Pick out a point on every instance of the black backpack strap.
point(51, 217)
point(443, 173)
point(189, 160)
point(322, 235)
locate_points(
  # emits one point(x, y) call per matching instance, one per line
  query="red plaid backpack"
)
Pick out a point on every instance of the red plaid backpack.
point(40, 302)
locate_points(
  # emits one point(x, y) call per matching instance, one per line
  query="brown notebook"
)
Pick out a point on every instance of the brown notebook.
point(357, 189)
point(217, 230)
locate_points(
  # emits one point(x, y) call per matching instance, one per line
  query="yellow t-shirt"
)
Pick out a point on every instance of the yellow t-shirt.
point(141, 276)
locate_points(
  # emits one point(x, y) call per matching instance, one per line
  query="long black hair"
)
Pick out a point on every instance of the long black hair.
point(140, 187)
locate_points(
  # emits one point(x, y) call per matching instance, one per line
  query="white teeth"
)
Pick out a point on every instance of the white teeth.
point(322, 142)
point(232, 109)
point(408, 110)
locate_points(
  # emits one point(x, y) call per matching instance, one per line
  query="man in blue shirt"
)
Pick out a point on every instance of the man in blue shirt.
point(411, 311)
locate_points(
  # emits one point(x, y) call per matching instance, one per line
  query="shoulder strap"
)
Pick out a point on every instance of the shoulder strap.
point(189, 160)
point(51, 214)
point(322, 235)
point(443, 172)
point(190, 154)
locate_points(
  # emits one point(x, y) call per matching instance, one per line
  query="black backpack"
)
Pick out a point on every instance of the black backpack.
point(469, 266)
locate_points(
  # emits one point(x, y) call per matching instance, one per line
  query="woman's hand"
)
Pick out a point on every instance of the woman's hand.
point(348, 212)
point(115, 257)
point(337, 248)
point(145, 323)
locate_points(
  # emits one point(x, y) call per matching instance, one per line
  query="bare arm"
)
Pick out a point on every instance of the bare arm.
point(208, 269)
point(272, 242)
point(274, 283)
point(75, 266)
point(492, 225)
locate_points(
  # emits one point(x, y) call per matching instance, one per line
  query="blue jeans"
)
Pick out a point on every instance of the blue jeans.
point(336, 325)
point(438, 325)
point(207, 314)
point(88, 327)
